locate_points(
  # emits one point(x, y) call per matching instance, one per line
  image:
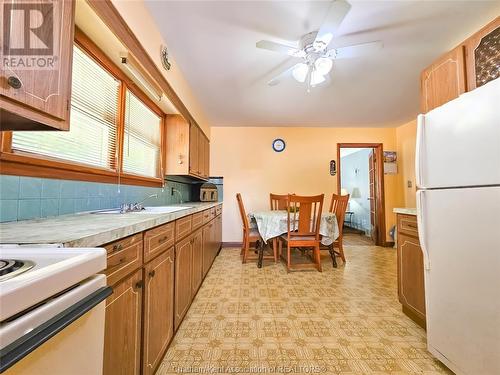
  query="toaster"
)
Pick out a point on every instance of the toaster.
point(208, 193)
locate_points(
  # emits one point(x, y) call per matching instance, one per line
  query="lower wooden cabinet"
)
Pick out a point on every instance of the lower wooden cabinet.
point(158, 309)
point(183, 290)
point(411, 288)
point(122, 338)
point(207, 244)
point(218, 233)
point(152, 293)
point(197, 261)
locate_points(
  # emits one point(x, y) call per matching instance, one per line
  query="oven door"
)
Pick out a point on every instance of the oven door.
point(64, 335)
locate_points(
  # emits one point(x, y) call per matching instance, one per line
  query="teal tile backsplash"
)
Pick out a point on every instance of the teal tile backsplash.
point(23, 198)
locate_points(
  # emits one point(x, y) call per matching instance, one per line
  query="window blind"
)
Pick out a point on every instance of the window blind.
point(94, 112)
point(142, 138)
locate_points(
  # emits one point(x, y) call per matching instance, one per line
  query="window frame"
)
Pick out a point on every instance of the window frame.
point(28, 164)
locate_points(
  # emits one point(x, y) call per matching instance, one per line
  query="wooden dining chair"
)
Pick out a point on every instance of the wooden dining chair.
point(249, 234)
point(338, 206)
point(278, 202)
point(304, 219)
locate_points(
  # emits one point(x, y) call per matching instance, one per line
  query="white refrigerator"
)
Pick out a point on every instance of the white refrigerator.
point(458, 206)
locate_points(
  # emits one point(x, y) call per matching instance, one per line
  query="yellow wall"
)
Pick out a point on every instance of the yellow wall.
point(244, 157)
point(406, 136)
point(144, 27)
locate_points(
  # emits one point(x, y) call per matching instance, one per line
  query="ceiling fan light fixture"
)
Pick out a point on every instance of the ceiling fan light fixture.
point(323, 65)
point(317, 78)
point(300, 72)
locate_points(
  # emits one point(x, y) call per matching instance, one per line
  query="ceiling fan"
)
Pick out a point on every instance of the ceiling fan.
point(313, 49)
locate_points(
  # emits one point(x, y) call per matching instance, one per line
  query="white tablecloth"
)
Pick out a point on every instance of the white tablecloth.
point(274, 223)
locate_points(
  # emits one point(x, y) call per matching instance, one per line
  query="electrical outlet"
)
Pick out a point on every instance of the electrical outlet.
point(171, 191)
point(409, 184)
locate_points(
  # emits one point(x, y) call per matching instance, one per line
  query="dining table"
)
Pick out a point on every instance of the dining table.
point(272, 224)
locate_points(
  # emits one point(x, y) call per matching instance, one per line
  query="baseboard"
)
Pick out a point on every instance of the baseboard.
point(232, 244)
point(389, 244)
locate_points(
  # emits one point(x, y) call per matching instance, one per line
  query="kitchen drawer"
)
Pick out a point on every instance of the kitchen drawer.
point(157, 240)
point(197, 220)
point(212, 213)
point(206, 216)
point(124, 256)
point(183, 227)
point(407, 224)
point(218, 210)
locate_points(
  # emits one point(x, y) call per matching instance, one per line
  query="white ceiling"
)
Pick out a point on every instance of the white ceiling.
point(214, 45)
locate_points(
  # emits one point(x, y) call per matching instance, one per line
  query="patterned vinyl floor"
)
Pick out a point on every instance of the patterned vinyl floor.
point(341, 321)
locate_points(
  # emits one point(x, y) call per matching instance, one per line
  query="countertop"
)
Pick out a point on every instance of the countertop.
point(405, 211)
point(89, 229)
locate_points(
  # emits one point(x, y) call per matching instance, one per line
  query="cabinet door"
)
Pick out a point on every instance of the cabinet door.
point(122, 338)
point(207, 259)
point(197, 261)
point(183, 295)
point(411, 275)
point(218, 232)
point(444, 80)
point(207, 158)
point(158, 309)
point(482, 55)
point(46, 89)
point(194, 168)
point(201, 154)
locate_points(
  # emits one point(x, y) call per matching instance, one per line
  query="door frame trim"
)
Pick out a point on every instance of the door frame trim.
point(380, 196)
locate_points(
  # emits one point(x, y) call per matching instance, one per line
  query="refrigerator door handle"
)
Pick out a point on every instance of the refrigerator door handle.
point(421, 227)
point(418, 150)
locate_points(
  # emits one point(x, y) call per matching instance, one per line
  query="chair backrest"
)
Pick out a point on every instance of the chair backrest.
point(278, 201)
point(304, 215)
point(338, 206)
point(244, 217)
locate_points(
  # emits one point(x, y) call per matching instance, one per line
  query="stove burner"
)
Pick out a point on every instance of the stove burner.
point(10, 268)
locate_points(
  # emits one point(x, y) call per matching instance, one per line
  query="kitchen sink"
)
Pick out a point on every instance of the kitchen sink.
point(161, 209)
point(146, 210)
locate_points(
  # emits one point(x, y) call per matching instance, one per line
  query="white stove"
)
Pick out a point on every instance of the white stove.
point(44, 290)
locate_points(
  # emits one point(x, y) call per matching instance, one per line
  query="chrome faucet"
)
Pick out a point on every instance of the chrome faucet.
point(174, 190)
point(138, 206)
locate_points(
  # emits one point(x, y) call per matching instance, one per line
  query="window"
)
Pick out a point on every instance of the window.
point(116, 130)
point(94, 117)
point(142, 138)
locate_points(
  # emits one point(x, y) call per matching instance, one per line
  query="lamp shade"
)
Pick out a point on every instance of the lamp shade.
point(356, 193)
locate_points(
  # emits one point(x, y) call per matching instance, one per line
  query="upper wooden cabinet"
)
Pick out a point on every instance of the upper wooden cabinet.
point(444, 80)
point(473, 63)
point(187, 149)
point(482, 54)
point(35, 85)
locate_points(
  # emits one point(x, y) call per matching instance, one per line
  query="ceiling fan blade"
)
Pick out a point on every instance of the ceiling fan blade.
point(336, 14)
point(355, 50)
point(277, 79)
point(278, 47)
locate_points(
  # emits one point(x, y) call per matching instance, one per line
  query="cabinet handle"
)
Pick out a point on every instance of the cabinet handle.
point(152, 273)
point(117, 247)
point(14, 82)
point(138, 285)
point(163, 239)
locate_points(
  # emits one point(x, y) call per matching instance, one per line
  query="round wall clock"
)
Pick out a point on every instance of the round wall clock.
point(279, 145)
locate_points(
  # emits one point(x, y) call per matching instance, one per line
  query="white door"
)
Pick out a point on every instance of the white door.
point(459, 235)
point(458, 144)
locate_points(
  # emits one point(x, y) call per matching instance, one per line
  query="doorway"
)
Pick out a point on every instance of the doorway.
point(360, 174)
